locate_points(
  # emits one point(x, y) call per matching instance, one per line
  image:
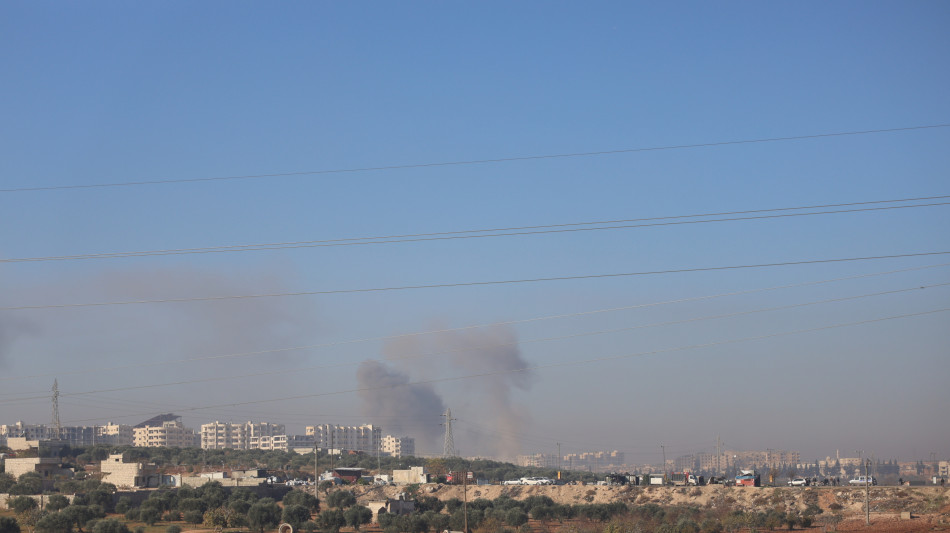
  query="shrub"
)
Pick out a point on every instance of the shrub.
point(173, 529)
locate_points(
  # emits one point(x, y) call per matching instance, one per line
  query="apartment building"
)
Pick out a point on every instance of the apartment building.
point(398, 446)
point(114, 434)
point(163, 430)
point(243, 436)
point(537, 460)
point(365, 438)
point(594, 461)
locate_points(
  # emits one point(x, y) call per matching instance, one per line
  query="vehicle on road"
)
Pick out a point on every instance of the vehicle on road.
point(748, 478)
point(863, 480)
point(798, 482)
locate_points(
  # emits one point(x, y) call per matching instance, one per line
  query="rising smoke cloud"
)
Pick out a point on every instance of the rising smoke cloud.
point(490, 422)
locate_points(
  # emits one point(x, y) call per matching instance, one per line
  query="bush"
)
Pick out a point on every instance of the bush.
point(110, 525)
point(9, 525)
point(173, 529)
point(193, 517)
point(22, 504)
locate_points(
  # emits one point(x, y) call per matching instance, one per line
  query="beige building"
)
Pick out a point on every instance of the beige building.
point(243, 436)
point(115, 434)
point(163, 430)
point(49, 468)
point(538, 460)
point(398, 446)
point(129, 475)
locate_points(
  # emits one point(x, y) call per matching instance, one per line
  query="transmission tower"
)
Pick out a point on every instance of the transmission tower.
point(56, 422)
point(448, 446)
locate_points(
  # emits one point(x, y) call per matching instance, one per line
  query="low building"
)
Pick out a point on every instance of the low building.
point(49, 468)
point(399, 506)
point(415, 474)
point(124, 474)
point(349, 475)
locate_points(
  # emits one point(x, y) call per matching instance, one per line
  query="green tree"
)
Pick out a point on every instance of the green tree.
point(6, 481)
point(54, 523)
point(215, 518)
point(341, 499)
point(149, 515)
point(357, 515)
point(110, 525)
point(263, 514)
point(331, 520)
point(193, 516)
point(295, 515)
point(516, 517)
point(299, 497)
point(28, 483)
point(9, 525)
point(80, 514)
point(22, 504)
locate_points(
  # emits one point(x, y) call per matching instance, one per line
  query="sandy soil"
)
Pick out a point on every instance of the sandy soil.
point(929, 506)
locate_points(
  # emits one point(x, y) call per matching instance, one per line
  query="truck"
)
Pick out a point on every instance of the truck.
point(748, 478)
point(686, 478)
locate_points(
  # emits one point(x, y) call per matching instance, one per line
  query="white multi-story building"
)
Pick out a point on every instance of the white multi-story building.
point(365, 438)
point(398, 446)
point(114, 434)
point(243, 436)
point(163, 430)
point(27, 431)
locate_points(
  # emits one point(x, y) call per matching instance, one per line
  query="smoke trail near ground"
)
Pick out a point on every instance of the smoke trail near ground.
point(490, 422)
point(400, 407)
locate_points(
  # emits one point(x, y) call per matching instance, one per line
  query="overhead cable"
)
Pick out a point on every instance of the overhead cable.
point(496, 232)
point(468, 162)
point(88, 370)
point(467, 284)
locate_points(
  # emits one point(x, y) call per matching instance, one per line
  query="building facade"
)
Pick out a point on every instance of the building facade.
point(243, 436)
point(163, 430)
point(365, 438)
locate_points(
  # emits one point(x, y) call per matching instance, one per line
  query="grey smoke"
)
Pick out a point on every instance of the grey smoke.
point(12, 328)
point(399, 406)
point(118, 338)
point(490, 422)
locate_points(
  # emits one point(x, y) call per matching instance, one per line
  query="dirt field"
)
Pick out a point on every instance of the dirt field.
point(929, 506)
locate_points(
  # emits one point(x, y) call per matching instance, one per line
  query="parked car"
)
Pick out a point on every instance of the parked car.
point(511, 482)
point(863, 480)
point(798, 482)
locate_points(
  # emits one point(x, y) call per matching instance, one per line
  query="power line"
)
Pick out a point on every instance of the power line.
point(495, 232)
point(571, 363)
point(469, 162)
point(496, 345)
point(88, 370)
point(468, 284)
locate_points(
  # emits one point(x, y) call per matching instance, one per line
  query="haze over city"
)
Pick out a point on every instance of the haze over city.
point(604, 226)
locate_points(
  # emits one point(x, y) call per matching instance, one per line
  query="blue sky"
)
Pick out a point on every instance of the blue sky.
point(106, 93)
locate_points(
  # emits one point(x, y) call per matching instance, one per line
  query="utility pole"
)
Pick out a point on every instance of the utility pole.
point(559, 460)
point(867, 492)
point(718, 455)
point(316, 475)
point(662, 447)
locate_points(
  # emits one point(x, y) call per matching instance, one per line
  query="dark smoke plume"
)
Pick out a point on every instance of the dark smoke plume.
point(401, 408)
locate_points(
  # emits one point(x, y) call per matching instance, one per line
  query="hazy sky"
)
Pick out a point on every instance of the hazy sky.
point(314, 94)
